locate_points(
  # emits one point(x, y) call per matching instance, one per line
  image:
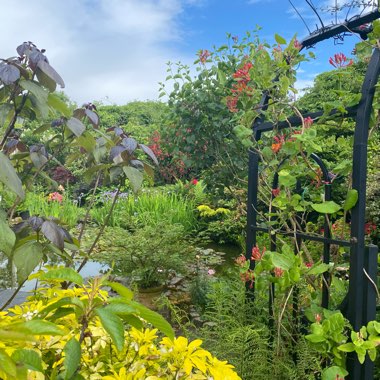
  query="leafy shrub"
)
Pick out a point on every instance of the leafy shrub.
point(149, 255)
point(82, 333)
point(237, 331)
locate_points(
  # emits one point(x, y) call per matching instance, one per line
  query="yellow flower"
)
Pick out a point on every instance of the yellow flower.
point(186, 356)
point(221, 370)
point(123, 375)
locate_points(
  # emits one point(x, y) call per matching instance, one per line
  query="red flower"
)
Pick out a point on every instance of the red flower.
point(308, 122)
point(256, 254)
point(243, 73)
point(278, 272)
point(309, 264)
point(297, 44)
point(55, 197)
point(231, 103)
point(340, 60)
point(369, 227)
point(194, 181)
point(318, 318)
point(275, 192)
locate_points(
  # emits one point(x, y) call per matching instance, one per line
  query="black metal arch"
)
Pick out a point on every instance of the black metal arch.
point(360, 303)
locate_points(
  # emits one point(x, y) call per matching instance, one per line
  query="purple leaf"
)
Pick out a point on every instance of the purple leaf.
point(53, 233)
point(130, 144)
point(50, 72)
point(149, 152)
point(116, 150)
point(8, 73)
point(92, 117)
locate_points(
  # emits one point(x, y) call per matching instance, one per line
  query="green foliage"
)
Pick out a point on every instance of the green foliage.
point(82, 333)
point(235, 330)
point(150, 207)
point(149, 255)
point(140, 119)
point(66, 210)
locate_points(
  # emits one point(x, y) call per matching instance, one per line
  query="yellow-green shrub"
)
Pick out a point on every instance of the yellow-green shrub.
point(83, 333)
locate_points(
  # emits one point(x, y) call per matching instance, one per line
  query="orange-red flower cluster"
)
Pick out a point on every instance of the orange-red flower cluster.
point(278, 272)
point(257, 255)
point(241, 87)
point(55, 197)
point(277, 144)
point(340, 60)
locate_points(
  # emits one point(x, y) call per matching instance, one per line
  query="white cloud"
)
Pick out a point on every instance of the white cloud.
point(115, 49)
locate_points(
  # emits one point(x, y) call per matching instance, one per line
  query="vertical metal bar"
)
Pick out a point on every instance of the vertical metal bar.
point(369, 301)
point(253, 183)
point(273, 248)
point(326, 254)
point(359, 180)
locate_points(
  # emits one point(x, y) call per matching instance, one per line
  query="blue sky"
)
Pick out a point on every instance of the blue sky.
point(115, 51)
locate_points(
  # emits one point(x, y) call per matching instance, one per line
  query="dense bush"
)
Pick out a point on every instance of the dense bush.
point(150, 255)
point(82, 333)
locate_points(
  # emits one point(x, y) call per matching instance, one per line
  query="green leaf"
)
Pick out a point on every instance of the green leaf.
point(28, 358)
point(347, 347)
point(71, 362)
point(26, 258)
point(120, 308)
point(286, 179)
point(280, 40)
point(332, 373)
point(55, 102)
point(7, 236)
point(372, 353)
point(35, 327)
point(75, 126)
point(62, 274)
point(314, 338)
point(120, 289)
point(351, 199)
point(7, 364)
point(318, 269)
point(133, 321)
point(329, 207)
point(46, 81)
point(135, 177)
point(86, 141)
point(154, 318)
point(62, 302)
point(113, 325)
point(281, 261)
point(9, 177)
point(5, 109)
point(35, 88)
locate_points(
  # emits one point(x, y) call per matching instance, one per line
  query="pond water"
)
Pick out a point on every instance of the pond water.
point(8, 282)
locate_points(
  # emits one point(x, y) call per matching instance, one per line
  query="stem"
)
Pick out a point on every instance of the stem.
point(14, 119)
point(88, 209)
point(85, 260)
point(12, 296)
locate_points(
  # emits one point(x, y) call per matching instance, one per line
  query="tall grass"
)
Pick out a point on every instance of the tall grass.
point(149, 208)
point(66, 211)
